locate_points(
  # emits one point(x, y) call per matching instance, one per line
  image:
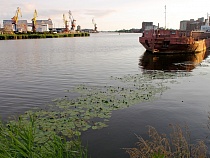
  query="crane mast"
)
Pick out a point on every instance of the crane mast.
point(34, 21)
point(72, 20)
point(95, 25)
point(15, 18)
point(65, 23)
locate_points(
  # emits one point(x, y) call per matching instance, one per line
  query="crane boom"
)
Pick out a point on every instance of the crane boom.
point(15, 18)
point(34, 21)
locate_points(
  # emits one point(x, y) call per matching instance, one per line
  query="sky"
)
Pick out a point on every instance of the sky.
point(109, 15)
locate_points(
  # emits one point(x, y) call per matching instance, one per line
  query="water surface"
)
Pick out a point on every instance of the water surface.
point(34, 72)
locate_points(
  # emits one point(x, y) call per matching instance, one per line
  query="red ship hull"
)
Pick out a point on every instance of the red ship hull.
point(175, 41)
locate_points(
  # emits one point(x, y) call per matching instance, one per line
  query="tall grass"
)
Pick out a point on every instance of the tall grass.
point(177, 145)
point(21, 140)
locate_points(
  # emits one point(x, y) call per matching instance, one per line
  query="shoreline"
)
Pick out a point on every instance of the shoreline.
point(41, 35)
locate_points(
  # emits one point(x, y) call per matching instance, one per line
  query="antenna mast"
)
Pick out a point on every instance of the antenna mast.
point(165, 16)
point(207, 20)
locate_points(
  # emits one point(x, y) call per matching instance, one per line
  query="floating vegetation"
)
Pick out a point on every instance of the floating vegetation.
point(93, 109)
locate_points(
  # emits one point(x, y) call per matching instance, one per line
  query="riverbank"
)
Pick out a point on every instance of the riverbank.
point(41, 35)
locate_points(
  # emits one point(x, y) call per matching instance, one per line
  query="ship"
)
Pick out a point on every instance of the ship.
point(176, 41)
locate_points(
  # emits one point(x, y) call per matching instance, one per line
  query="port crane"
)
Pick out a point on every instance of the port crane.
point(72, 20)
point(15, 18)
point(66, 23)
point(34, 21)
point(95, 25)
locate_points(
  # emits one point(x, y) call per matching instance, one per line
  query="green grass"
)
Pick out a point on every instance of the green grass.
point(39, 35)
point(21, 139)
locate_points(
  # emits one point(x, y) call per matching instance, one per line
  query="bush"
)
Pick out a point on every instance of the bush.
point(56, 36)
point(25, 36)
point(161, 146)
point(87, 34)
point(49, 35)
point(19, 36)
point(61, 35)
point(32, 36)
point(3, 37)
point(70, 35)
point(11, 37)
point(42, 36)
point(76, 35)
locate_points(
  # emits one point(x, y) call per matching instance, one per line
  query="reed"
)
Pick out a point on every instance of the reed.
point(20, 139)
point(178, 144)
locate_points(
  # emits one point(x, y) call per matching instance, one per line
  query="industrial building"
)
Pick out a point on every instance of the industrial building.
point(148, 26)
point(15, 25)
point(23, 26)
point(43, 25)
point(185, 25)
point(191, 25)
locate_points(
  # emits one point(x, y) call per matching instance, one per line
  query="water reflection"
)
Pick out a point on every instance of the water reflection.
point(169, 62)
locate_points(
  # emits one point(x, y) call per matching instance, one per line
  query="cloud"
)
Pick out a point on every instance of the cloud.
point(98, 13)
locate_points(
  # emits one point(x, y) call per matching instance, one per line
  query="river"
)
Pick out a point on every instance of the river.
point(35, 72)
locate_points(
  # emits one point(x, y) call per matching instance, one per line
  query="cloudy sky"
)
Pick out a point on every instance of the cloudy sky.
point(108, 14)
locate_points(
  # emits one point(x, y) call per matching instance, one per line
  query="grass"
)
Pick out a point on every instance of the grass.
point(20, 140)
point(177, 145)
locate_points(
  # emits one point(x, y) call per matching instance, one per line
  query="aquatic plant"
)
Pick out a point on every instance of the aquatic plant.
point(93, 108)
point(162, 146)
point(66, 118)
point(21, 139)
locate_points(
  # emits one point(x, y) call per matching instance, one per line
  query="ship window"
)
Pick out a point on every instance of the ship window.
point(173, 32)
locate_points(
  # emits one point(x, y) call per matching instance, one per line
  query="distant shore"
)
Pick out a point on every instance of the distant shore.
point(41, 35)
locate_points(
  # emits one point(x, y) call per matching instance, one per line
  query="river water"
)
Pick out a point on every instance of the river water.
point(34, 72)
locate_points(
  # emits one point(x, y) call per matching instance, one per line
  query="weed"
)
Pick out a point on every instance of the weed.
point(161, 146)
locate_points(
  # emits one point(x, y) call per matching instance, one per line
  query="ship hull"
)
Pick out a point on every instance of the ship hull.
point(174, 43)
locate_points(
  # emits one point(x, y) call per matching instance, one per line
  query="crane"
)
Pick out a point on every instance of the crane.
point(15, 18)
point(65, 23)
point(95, 25)
point(34, 21)
point(72, 20)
